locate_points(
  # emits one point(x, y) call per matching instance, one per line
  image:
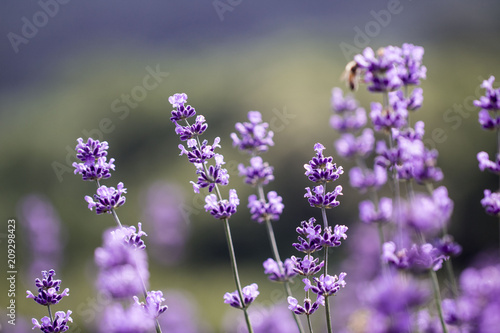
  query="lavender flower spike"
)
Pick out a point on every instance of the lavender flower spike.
point(261, 211)
point(250, 293)
point(321, 169)
point(153, 304)
point(94, 165)
point(107, 199)
point(60, 323)
point(48, 289)
point(222, 209)
point(255, 135)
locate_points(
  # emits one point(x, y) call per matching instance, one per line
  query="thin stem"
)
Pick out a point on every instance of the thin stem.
point(234, 266)
point(437, 298)
point(117, 220)
point(397, 197)
point(309, 323)
point(50, 314)
point(451, 276)
point(381, 237)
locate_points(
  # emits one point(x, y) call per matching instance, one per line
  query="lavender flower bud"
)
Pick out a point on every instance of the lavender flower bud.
point(260, 211)
point(369, 214)
point(486, 164)
point(322, 169)
point(255, 135)
point(325, 285)
point(107, 199)
point(491, 202)
point(153, 305)
point(309, 307)
point(93, 155)
point(48, 289)
point(320, 199)
point(222, 209)
point(60, 323)
point(258, 172)
point(249, 292)
point(279, 271)
point(307, 265)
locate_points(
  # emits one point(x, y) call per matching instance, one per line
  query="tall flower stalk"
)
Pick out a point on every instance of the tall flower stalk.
point(94, 167)
point(254, 138)
point(210, 177)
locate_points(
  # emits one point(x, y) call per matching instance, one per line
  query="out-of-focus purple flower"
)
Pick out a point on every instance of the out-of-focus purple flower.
point(37, 213)
point(398, 259)
point(181, 112)
point(490, 320)
point(349, 146)
point(307, 266)
point(429, 214)
point(60, 323)
point(222, 209)
point(412, 70)
point(491, 202)
point(153, 305)
point(365, 179)
point(48, 289)
point(388, 117)
point(460, 311)
point(271, 209)
point(320, 199)
point(415, 100)
point(165, 216)
point(249, 292)
point(380, 71)
point(258, 172)
point(94, 164)
point(121, 267)
point(255, 136)
point(349, 121)
point(486, 164)
point(310, 236)
point(369, 214)
point(333, 238)
point(425, 169)
point(325, 285)
point(447, 246)
point(215, 174)
point(341, 103)
point(489, 104)
point(321, 169)
point(309, 307)
point(131, 236)
point(418, 258)
point(191, 131)
point(107, 199)
point(279, 271)
point(117, 319)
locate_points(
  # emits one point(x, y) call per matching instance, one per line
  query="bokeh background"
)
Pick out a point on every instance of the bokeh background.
point(83, 70)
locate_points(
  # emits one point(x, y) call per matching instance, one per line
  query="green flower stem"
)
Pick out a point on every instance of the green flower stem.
point(325, 271)
point(274, 247)
point(397, 197)
point(50, 314)
point(309, 323)
point(235, 271)
point(437, 298)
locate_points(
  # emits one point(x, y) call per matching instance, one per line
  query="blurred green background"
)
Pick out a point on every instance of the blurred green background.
point(276, 58)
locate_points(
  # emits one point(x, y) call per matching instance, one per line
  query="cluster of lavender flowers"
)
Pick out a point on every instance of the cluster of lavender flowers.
point(122, 260)
point(489, 118)
point(412, 226)
point(49, 294)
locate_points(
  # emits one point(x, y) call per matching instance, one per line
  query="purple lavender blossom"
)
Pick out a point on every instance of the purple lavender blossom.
point(122, 266)
point(257, 173)
point(309, 307)
point(325, 285)
point(222, 209)
point(37, 213)
point(398, 259)
point(349, 146)
point(415, 100)
point(307, 266)
point(388, 117)
point(447, 246)
point(181, 112)
point(107, 199)
point(93, 155)
point(261, 211)
point(425, 257)
point(364, 179)
point(117, 319)
point(380, 71)
point(351, 121)
point(48, 289)
point(486, 164)
point(255, 135)
point(131, 236)
point(153, 306)
point(279, 271)
point(491, 202)
point(188, 132)
point(249, 292)
point(165, 217)
point(412, 70)
point(320, 199)
point(429, 214)
point(215, 174)
point(490, 105)
point(310, 237)
point(369, 214)
point(321, 169)
point(199, 155)
point(332, 238)
point(341, 104)
point(60, 323)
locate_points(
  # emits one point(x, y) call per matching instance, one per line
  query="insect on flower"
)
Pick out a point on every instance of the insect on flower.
point(350, 75)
